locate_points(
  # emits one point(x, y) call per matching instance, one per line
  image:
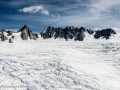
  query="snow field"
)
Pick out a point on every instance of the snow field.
point(60, 65)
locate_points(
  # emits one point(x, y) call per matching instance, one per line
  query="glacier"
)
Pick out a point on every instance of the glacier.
point(56, 64)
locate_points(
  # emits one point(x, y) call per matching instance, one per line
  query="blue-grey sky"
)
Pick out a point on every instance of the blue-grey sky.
point(39, 14)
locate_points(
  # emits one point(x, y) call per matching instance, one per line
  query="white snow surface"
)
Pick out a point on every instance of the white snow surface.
point(60, 65)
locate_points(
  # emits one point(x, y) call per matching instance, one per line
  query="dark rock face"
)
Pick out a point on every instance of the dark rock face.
point(97, 34)
point(75, 33)
point(67, 33)
point(48, 33)
point(31, 35)
point(9, 33)
point(58, 33)
point(10, 40)
point(78, 34)
point(13, 37)
point(90, 31)
point(36, 35)
point(2, 36)
point(27, 33)
point(105, 33)
point(24, 32)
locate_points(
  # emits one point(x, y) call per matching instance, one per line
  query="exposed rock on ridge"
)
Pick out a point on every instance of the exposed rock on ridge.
point(105, 33)
point(2, 35)
point(75, 33)
point(78, 34)
point(27, 33)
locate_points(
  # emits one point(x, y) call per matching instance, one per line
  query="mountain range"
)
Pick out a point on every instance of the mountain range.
point(70, 32)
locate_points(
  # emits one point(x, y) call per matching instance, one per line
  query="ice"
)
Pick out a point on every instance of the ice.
point(56, 64)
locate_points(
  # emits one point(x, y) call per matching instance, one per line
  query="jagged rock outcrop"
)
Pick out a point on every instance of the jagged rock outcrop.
point(10, 40)
point(70, 32)
point(48, 33)
point(12, 37)
point(67, 33)
point(105, 33)
point(90, 31)
point(24, 32)
point(27, 33)
point(9, 33)
point(78, 34)
point(2, 35)
point(36, 35)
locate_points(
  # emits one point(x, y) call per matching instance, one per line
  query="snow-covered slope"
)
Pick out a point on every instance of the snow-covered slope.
point(60, 65)
point(113, 38)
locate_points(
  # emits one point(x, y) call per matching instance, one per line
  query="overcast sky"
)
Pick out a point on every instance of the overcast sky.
point(39, 14)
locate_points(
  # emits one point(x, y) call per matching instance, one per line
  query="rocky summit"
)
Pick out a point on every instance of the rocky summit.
point(78, 34)
point(27, 33)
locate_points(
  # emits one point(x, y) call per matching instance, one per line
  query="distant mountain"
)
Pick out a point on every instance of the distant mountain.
point(25, 34)
point(75, 33)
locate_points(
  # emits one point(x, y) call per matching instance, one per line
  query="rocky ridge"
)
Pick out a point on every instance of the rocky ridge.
point(75, 33)
point(78, 34)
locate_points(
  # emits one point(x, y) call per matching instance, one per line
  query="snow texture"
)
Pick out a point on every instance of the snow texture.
point(60, 65)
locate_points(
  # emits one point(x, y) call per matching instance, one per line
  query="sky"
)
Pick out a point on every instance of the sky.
point(39, 14)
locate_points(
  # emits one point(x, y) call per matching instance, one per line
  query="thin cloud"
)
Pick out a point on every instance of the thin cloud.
point(97, 13)
point(35, 9)
point(105, 7)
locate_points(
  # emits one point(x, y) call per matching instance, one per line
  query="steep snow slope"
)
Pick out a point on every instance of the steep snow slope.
point(60, 65)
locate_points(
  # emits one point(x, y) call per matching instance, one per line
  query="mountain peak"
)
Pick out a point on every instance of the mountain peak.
point(75, 33)
point(24, 27)
point(27, 33)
